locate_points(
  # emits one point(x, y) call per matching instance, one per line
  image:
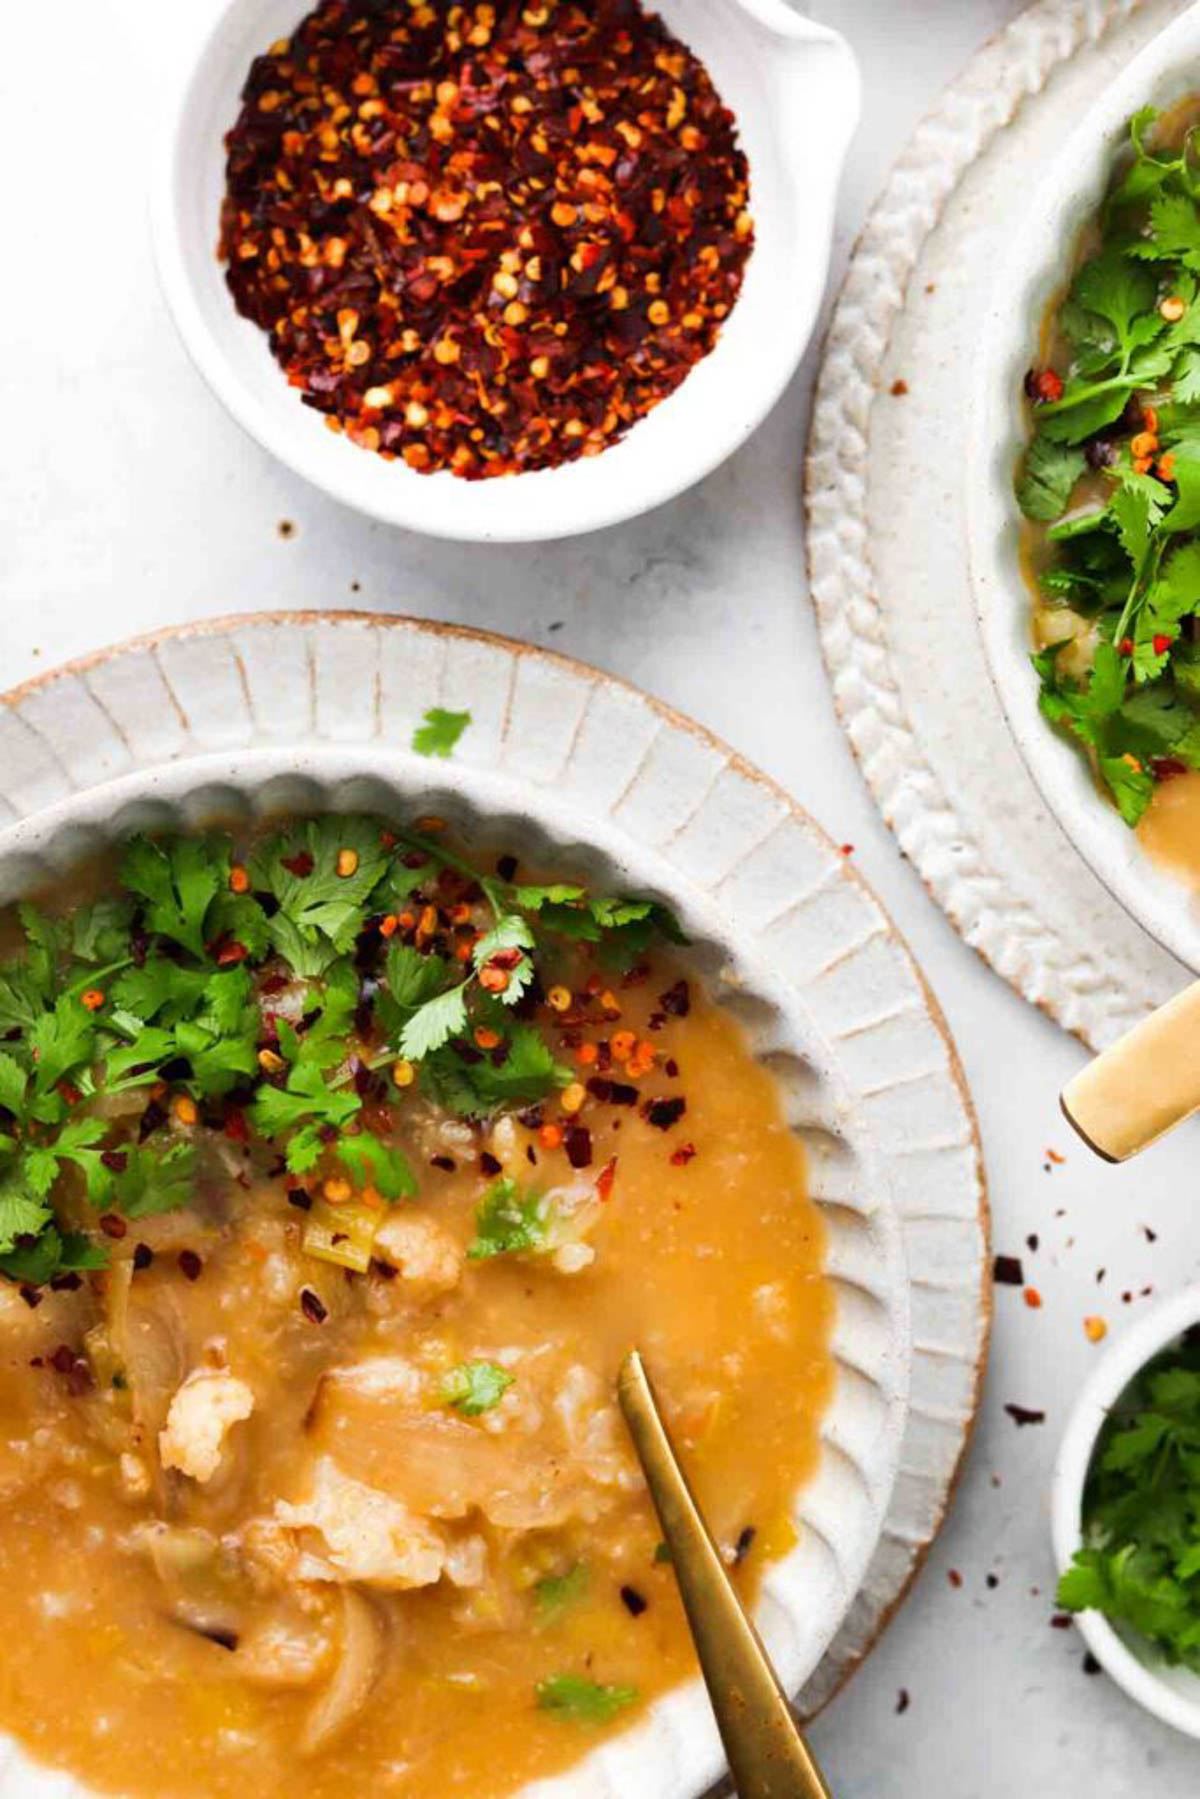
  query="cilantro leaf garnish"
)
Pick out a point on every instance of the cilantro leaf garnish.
point(1048, 478)
point(477, 1086)
point(20, 1216)
point(433, 1024)
point(507, 1223)
point(375, 1163)
point(583, 1701)
point(308, 1100)
point(177, 884)
point(440, 731)
point(473, 1388)
point(557, 1593)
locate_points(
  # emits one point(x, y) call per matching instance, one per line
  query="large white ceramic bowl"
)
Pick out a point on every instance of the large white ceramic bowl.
point(317, 711)
point(1172, 1694)
point(1007, 331)
point(794, 88)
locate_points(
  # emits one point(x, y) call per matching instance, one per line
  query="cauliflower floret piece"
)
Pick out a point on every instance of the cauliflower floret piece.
point(203, 1412)
point(423, 1252)
point(368, 1535)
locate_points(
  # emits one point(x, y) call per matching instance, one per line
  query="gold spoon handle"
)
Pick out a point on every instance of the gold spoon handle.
point(767, 1755)
point(1146, 1082)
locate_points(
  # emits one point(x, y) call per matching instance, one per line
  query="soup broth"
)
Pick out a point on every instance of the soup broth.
point(319, 1478)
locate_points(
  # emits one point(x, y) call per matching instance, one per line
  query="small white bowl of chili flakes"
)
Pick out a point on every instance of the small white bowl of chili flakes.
point(421, 251)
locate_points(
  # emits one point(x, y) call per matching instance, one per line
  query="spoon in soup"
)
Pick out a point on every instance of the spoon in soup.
point(768, 1756)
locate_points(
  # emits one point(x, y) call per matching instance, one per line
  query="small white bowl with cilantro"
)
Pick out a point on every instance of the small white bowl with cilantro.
point(1126, 1512)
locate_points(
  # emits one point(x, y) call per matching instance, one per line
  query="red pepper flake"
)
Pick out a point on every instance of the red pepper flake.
point(235, 1126)
point(577, 1140)
point(955, 1578)
point(1007, 1271)
point(633, 1601)
point(1033, 1299)
point(663, 1114)
point(845, 849)
point(1125, 647)
point(504, 266)
point(612, 1093)
point(676, 1002)
point(113, 1225)
point(898, 389)
point(605, 1179)
point(301, 864)
point(230, 954)
point(1162, 643)
point(143, 1256)
point(1052, 1155)
point(683, 1155)
point(489, 1164)
point(1021, 1415)
point(190, 1264)
point(312, 1307)
point(74, 1369)
point(1047, 386)
point(1061, 1621)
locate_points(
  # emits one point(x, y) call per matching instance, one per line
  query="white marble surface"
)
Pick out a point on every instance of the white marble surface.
point(128, 500)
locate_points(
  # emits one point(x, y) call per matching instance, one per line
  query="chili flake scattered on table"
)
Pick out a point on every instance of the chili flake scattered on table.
point(484, 238)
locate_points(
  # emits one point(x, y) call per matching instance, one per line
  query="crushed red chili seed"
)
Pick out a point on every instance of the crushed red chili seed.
point(312, 1307)
point(677, 1000)
point(683, 1155)
point(484, 250)
point(577, 1140)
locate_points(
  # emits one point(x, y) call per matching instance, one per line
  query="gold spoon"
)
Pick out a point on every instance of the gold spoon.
point(768, 1756)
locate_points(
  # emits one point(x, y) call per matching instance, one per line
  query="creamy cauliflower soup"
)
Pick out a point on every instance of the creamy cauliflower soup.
point(340, 1170)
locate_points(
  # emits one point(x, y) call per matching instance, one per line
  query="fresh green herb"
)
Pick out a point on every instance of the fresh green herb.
point(557, 1593)
point(374, 1163)
point(440, 732)
point(508, 1222)
point(267, 996)
point(1048, 478)
point(475, 1387)
point(1140, 1563)
point(583, 1701)
point(1124, 561)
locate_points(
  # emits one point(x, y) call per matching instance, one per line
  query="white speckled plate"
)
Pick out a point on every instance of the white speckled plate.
point(887, 485)
point(310, 710)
